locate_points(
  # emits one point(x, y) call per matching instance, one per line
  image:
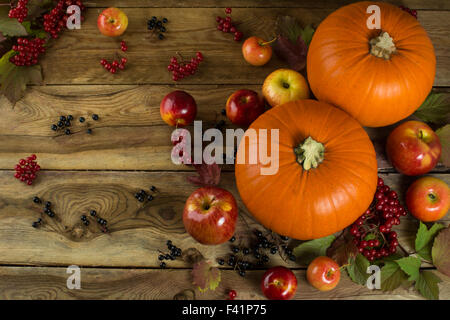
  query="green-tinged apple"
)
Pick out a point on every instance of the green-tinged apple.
point(428, 199)
point(323, 273)
point(256, 51)
point(210, 215)
point(279, 283)
point(244, 106)
point(112, 22)
point(178, 109)
point(413, 148)
point(284, 85)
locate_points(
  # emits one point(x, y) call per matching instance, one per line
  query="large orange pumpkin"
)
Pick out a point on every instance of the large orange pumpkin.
point(378, 76)
point(327, 172)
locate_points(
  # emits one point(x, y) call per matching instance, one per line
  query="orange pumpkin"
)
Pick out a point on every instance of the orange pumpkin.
point(378, 76)
point(327, 173)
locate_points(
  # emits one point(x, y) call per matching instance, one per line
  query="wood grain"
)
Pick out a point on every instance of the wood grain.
point(130, 134)
point(119, 284)
point(136, 232)
point(413, 4)
point(75, 57)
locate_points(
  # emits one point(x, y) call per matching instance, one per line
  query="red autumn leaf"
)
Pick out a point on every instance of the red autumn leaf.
point(293, 53)
point(208, 175)
point(342, 249)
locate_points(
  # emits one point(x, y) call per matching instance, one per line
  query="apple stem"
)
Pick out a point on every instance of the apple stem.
point(269, 42)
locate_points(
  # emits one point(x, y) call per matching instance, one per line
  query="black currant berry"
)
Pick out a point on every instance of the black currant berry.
point(36, 200)
point(95, 117)
point(82, 119)
point(54, 127)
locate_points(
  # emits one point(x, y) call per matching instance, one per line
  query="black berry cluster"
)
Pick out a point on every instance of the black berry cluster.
point(65, 122)
point(56, 19)
point(157, 27)
point(27, 51)
point(20, 11)
point(47, 209)
point(173, 254)
point(93, 216)
point(225, 24)
point(144, 196)
point(372, 232)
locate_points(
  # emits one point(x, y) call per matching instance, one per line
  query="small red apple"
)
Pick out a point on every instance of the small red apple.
point(178, 108)
point(244, 106)
point(112, 22)
point(323, 273)
point(256, 51)
point(210, 215)
point(428, 199)
point(279, 283)
point(413, 148)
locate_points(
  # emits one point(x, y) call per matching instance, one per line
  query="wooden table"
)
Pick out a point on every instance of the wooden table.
point(130, 149)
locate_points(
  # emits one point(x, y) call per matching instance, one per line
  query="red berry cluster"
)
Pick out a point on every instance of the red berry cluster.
point(225, 24)
point(123, 46)
point(28, 51)
point(26, 169)
point(410, 11)
point(56, 19)
point(113, 66)
point(20, 12)
point(372, 231)
point(183, 69)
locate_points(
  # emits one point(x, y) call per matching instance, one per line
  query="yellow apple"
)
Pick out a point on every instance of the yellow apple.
point(284, 85)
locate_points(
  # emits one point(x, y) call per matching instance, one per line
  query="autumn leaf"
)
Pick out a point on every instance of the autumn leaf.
point(427, 285)
point(435, 108)
point(205, 276)
point(208, 175)
point(441, 251)
point(309, 250)
point(444, 137)
point(392, 276)
point(424, 239)
point(292, 41)
point(14, 79)
point(342, 249)
point(357, 269)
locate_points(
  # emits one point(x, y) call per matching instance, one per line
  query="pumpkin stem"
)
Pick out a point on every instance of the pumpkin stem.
point(382, 46)
point(310, 153)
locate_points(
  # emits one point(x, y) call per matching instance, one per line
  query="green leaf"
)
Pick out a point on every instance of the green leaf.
point(427, 285)
point(309, 250)
point(411, 266)
point(34, 32)
point(435, 108)
point(441, 251)
point(205, 276)
point(10, 27)
point(14, 79)
point(307, 34)
point(424, 239)
point(444, 137)
point(357, 270)
point(392, 276)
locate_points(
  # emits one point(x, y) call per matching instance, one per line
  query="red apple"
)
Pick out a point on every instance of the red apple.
point(428, 199)
point(178, 108)
point(279, 283)
point(112, 22)
point(284, 85)
point(323, 273)
point(256, 51)
point(413, 148)
point(210, 215)
point(244, 106)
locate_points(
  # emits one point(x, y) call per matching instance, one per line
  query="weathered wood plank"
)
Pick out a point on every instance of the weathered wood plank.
point(413, 4)
point(136, 232)
point(130, 134)
point(74, 58)
point(50, 283)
